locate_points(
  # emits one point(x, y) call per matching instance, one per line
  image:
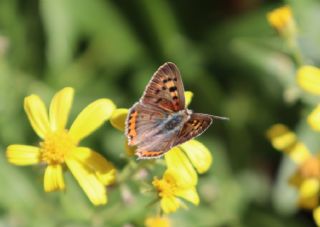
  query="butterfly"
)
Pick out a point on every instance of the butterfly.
point(160, 120)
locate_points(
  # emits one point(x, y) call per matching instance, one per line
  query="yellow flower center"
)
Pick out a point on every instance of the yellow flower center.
point(166, 187)
point(310, 168)
point(56, 147)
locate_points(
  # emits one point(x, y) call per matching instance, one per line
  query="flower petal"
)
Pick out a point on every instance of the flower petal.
point(285, 140)
point(316, 215)
point(280, 18)
point(309, 202)
point(158, 221)
point(281, 137)
point(53, 178)
point(296, 179)
point(60, 107)
point(314, 119)
point(189, 194)
point(179, 165)
point(104, 170)
point(130, 150)
point(92, 117)
point(309, 188)
point(118, 118)
point(308, 78)
point(23, 154)
point(169, 204)
point(37, 115)
point(198, 154)
point(188, 97)
point(299, 153)
point(89, 182)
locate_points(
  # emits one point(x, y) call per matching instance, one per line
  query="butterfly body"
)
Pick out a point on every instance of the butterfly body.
point(160, 120)
point(175, 121)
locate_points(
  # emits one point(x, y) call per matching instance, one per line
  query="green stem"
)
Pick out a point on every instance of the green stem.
point(296, 53)
point(295, 50)
point(130, 169)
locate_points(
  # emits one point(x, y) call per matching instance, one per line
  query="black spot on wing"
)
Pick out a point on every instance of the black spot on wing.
point(172, 89)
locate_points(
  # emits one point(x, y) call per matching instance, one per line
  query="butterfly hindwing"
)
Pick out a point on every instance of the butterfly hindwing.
point(149, 154)
point(194, 127)
point(145, 130)
point(165, 89)
point(156, 146)
point(142, 121)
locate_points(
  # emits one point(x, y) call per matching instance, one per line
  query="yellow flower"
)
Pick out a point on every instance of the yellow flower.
point(307, 176)
point(307, 180)
point(59, 146)
point(314, 119)
point(308, 78)
point(157, 221)
point(182, 159)
point(316, 215)
point(172, 186)
point(282, 20)
point(285, 140)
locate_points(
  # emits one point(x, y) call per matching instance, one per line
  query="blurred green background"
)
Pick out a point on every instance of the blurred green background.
point(228, 55)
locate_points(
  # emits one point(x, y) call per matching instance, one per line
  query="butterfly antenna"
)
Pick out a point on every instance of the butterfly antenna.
point(220, 118)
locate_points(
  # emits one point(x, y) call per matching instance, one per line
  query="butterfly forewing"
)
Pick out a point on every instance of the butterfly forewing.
point(165, 89)
point(194, 127)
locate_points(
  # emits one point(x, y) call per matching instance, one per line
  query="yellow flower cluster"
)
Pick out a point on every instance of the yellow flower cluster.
point(307, 176)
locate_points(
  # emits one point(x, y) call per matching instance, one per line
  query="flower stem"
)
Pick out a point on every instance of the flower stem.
point(295, 50)
point(297, 56)
point(130, 169)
